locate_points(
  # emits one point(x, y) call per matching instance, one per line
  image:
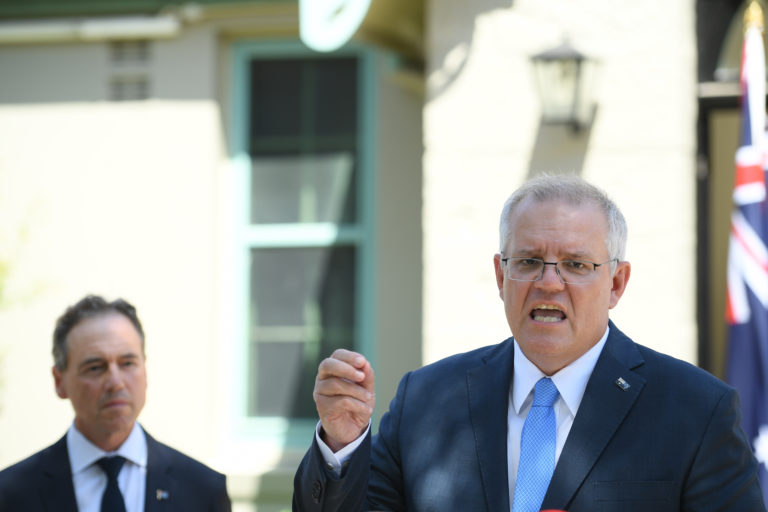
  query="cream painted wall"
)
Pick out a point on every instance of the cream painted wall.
point(398, 243)
point(483, 137)
point(119, 199)
point(115, 200)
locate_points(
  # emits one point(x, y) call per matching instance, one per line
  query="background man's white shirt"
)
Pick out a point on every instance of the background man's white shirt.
point(89, 479)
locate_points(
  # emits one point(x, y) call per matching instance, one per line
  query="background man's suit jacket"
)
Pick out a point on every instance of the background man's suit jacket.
point(43, 483)
point(670, 441)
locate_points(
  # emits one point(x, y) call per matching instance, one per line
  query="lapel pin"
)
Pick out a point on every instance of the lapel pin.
point(622, 384)
point(161, 494)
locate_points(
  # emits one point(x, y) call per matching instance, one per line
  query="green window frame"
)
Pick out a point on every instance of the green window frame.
point(284, 239)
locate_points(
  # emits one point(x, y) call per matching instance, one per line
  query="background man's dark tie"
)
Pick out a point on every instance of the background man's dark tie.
point(112, 499)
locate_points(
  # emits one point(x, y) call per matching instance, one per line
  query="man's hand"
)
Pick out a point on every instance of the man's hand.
point(344, 396)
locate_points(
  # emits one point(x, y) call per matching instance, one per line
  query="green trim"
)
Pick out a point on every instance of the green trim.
point(54, 8)
point(241, 164)
point(319, 143)
point(301, 235)
point(367, 85)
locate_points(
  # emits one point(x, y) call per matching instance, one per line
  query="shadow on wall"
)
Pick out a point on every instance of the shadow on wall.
point(451, 52)
point(558, 148)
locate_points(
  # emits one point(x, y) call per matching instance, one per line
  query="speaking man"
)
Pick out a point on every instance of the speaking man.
point(569, 413)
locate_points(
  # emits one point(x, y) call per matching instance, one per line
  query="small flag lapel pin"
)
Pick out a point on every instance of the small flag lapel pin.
point(161, 494)
point(622, 384)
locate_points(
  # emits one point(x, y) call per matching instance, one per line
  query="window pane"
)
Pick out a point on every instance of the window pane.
point(303, 98)
point(302, 309)
point(275, 98)
point(336, 97)
point(303, 140)
point(317, 188)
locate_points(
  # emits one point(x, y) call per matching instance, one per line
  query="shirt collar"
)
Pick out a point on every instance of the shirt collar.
point(83, 453)
point(571, 381)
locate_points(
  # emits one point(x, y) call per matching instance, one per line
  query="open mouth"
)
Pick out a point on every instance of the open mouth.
point(547, 313)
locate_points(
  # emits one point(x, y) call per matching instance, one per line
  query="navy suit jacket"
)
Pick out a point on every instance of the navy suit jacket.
point(43, 483)
point(668, 440)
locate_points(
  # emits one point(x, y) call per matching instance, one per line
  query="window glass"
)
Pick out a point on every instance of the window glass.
point(303, 188)
point(302, 310)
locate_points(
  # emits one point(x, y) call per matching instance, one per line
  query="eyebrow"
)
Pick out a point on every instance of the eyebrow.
point(536, 253)
point(90, 361)
point(101, 360)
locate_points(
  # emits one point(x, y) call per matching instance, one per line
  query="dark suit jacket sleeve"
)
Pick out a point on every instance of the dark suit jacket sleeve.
point(317, 489)
point(39, 483)
point(724, 472)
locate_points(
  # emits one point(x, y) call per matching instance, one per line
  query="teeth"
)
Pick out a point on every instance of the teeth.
point(546, 318)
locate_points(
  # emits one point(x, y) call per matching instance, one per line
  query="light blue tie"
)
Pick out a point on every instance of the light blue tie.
point(537, 449)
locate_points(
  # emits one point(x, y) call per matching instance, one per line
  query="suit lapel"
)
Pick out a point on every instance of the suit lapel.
point(58, 491)
point(606, 403)
point(488, 391)
point(159, 490)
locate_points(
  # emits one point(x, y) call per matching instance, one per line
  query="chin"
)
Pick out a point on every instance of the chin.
point(120, 424)
point(551, 348)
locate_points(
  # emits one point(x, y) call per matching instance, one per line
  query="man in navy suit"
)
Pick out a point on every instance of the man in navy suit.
point(629, 429)
point(106, 462)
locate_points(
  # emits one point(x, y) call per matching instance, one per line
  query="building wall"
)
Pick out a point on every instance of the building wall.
point(483, 137)
point(116, 199)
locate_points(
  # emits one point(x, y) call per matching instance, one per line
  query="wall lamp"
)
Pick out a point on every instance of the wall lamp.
point(562, 75)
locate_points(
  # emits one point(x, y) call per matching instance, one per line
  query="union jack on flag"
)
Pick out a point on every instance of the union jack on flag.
point(747, 295)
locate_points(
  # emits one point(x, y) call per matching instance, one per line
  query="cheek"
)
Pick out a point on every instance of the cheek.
point(84, 395)
point(592, 304)
point(514, 294)
point(139, 383)
point(514, 305)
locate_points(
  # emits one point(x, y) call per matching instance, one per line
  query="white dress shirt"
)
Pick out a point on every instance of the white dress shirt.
point(89, 479)
point(334, 461)
point(571, 382)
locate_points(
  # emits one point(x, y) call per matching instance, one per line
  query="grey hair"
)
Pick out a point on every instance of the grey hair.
point(573, 190)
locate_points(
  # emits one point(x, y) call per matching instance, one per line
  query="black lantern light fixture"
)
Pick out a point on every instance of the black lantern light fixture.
point(561, 75)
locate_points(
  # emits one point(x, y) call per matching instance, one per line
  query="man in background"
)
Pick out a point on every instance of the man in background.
point(106, 462)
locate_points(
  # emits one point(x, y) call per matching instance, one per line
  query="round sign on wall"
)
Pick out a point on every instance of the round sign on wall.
point(325, 25)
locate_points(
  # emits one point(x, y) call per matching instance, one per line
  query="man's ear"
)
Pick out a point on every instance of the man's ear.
point(58, 380)
point(499, 274)
point(619, 283)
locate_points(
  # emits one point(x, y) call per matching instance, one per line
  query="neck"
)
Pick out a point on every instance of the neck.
point(107, 441)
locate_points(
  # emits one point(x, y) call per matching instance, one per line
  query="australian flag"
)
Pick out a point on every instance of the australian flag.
point(747, 298)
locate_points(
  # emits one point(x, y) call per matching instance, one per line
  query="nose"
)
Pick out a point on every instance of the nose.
point(114, 377)
point(550, 278)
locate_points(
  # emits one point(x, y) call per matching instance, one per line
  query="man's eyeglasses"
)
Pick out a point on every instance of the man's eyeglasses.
point(569, 271)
